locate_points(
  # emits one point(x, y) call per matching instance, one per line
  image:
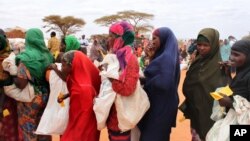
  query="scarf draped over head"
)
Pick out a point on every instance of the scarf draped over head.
point(36, 56)
point(125, 36)
point(203, 77)
point(71, 43)
point(164, 69)
point(243, 72)
point(83, 73)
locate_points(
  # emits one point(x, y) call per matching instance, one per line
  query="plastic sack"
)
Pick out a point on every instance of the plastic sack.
point(55, 116)
point(218, 112)
point(106, 96)
point(242, 108)
point(130, 109)
point(220, 129)
point(23, 95)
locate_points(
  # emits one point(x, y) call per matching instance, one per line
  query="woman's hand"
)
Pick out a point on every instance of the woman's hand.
point(60, 98)
point(52, 67)
point(226, 102)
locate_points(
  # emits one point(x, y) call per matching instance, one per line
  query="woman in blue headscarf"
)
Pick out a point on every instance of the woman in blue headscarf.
point(161, 84)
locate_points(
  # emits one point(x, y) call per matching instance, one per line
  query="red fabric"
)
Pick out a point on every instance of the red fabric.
point(125, 88)
point(83, 84)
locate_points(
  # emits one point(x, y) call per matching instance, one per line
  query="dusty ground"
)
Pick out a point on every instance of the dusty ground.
point(180, 133)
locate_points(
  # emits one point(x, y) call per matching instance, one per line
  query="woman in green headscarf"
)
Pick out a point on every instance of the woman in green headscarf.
point(203, 77)
point(32, 64)
point(70, 43)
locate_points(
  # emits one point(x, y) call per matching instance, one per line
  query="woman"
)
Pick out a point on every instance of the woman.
point(203, 77)
point(240, 85)
point(32, 64)
point(83, 82)
point(121, 39)
point(8, 122)
point(161, 84)
point(70, 43)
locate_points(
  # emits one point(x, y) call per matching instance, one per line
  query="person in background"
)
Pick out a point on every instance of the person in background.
point(8, 106)
point(54, 44)
point(121, 38)
point(84, 44)
point(161, 84)
point(95, 51)
point(32, 64)
point(83, 82)
point(225, 50)
point(203, 77)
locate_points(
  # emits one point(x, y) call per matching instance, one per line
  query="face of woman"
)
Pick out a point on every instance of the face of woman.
point(237, 58)
point(203, 48)
point(66, 68)
point(156, 42)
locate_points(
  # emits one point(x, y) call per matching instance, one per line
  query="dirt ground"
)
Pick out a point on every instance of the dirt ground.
point(180, 133)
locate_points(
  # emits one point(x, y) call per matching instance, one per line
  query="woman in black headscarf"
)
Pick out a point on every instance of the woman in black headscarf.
point(240, 85)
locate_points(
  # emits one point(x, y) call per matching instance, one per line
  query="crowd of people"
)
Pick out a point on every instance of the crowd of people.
point(155, 63)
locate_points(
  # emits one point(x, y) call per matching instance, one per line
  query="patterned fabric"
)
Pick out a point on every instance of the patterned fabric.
point(9, 131)
point(29, 114)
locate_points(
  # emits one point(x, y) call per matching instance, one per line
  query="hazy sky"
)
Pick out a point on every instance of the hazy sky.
point(185, 17)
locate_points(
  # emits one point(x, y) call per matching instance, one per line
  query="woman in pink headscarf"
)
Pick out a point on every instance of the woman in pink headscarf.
point(122, 37)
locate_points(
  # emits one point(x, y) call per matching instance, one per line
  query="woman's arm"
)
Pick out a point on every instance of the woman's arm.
point(127, 87)
point(58, 72)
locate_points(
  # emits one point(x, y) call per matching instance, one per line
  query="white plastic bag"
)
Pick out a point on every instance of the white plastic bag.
point(106, 96)
point(55, 117)
point(130, 109)
point(103, 103)
point(242, 108)
point(24, 95)
point(220, 130)
point(218, 111)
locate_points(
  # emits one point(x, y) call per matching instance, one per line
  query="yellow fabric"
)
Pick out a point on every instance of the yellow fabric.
point(53, 45)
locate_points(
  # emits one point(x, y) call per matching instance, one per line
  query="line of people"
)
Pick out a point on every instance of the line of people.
point(160, 82)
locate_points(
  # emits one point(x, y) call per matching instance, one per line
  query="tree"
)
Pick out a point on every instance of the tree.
point(65, 25)
point(139, 20)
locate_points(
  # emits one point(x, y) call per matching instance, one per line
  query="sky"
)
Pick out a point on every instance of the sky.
point(185, 17)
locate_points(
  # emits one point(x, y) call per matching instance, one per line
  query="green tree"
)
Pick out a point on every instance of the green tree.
point(64, 25)
point(139, 20)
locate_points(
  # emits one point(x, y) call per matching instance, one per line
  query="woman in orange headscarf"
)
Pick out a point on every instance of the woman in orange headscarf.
point(83, 83)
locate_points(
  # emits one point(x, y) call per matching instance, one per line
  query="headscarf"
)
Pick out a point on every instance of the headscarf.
point(243, 72)
point(83, 73)
point(163, 74)
point(125, 36)
point(5, 46)
point(83, 83)
point(161, 85)
point(71, 43)
point(203, 77)
point(36, 56)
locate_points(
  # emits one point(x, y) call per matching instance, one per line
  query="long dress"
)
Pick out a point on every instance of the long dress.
point(83, 84)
